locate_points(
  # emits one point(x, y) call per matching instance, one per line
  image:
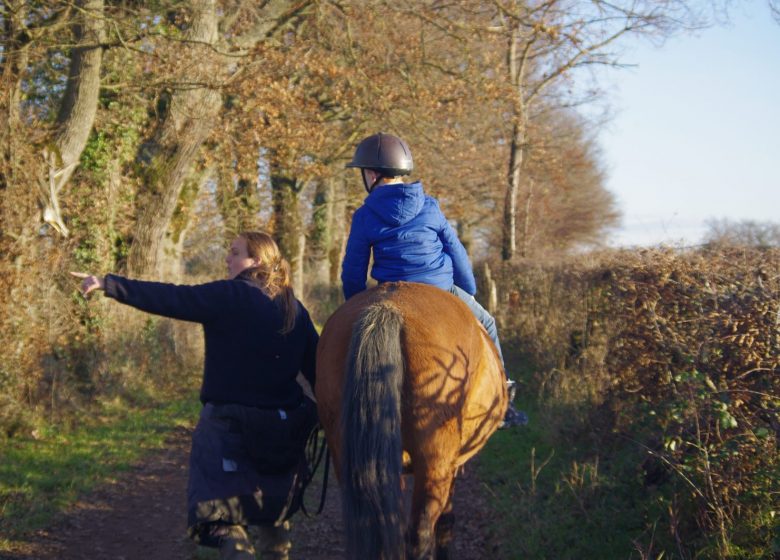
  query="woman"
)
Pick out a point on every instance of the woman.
point(245, 463)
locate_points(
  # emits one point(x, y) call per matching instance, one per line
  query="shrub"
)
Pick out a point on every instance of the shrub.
point(676, 353)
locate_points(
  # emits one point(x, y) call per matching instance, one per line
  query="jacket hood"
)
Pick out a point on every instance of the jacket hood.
point(398, 203)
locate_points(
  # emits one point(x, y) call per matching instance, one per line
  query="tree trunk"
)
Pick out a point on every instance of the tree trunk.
point(516, 147)
point(490, 295)
point(321, 238)
point(515, 71)
point(189, 120)
point(289, 226)
point(17, 207)
point(465, 234)
point(187, 337)
point(14, 62)
point(517, 66)
point(238, 201)
point(192, 114)
point(527, 220)
point(339, 234)
point(77, 109)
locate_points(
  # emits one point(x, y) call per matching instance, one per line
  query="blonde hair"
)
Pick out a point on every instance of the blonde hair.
point(272, 274)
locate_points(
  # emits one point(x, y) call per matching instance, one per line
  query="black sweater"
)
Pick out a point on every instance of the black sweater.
point(247, 361)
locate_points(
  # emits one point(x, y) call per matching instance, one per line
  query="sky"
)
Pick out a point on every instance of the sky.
point(696, 134)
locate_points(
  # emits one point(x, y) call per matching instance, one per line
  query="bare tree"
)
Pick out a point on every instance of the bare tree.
point(748, 233)
point(77, 110)
point(485, 108)
point(545, 43)
point(564, 202)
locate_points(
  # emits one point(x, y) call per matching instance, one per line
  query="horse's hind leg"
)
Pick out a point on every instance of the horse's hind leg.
point(445, 527)
point(430, 499)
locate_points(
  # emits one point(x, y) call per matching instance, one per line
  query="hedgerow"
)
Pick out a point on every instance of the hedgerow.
point(671, 358)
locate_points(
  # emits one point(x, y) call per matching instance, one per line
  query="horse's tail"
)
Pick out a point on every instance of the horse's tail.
point(371, 437)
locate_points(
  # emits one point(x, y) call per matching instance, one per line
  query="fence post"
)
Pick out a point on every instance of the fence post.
point(492, 291)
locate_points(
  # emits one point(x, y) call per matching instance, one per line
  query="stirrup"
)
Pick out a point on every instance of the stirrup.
point(511, 389)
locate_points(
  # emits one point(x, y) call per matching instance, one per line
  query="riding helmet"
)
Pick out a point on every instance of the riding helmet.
point(385, 153)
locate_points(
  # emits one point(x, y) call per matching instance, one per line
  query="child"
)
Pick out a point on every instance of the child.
point(410, 238)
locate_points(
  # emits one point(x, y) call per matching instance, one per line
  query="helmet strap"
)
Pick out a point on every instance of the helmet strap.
point(368, 187)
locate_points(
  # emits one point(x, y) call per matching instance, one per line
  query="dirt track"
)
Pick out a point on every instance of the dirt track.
point(142, 517)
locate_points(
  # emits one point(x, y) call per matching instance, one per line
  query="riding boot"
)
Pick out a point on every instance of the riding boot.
point(235, 544)
point(274, 542)
point(513, 417)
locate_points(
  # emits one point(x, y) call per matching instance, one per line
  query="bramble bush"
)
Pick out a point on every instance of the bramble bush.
point(674, 354)
point(60, 355)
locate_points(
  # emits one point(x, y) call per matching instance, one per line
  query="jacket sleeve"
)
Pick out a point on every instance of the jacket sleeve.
point(463, 274)
point(189, 303)
point(355, 266)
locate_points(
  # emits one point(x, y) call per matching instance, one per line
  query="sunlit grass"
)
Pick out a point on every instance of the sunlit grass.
point(552, 497)
point(43, 475)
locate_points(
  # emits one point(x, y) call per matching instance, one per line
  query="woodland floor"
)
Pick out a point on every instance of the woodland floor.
point(141, 516)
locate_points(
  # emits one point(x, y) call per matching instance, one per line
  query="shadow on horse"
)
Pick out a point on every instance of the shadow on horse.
point(407, 381)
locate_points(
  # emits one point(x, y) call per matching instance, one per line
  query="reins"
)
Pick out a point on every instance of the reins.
point(313, 453)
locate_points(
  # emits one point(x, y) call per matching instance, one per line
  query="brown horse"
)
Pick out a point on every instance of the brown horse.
point(407, 379)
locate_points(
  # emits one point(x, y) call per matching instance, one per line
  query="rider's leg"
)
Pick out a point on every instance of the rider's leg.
point(482, 316)
point(513, 417)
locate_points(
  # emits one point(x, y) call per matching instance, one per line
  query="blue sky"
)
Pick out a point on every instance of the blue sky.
point(697, 131)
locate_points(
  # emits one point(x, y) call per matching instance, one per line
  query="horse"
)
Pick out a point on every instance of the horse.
point(408, 382)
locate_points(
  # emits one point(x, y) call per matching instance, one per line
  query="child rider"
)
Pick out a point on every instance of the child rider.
point(410, 238)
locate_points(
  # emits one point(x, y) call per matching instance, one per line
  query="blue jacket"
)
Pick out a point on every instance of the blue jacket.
point(411, 241)
point(247, 361)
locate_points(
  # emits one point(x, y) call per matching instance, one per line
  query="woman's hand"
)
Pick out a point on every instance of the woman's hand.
point(89, 283)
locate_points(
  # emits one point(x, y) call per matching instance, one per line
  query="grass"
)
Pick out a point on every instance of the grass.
point(555, 497)
point(42, 475)
point(554, 492)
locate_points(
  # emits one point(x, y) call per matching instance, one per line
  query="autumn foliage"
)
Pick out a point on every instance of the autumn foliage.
point(674, 356)
point(139, 137)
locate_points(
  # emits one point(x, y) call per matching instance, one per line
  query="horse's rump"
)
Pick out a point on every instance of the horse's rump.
point(423, 344)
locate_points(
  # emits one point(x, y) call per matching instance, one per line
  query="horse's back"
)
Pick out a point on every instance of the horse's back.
point(453, 392)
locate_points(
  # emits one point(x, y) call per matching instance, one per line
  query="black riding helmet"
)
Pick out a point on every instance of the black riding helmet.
point(387, 154)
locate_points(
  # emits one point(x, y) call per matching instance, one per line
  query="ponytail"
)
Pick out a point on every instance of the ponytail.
point(272, 275)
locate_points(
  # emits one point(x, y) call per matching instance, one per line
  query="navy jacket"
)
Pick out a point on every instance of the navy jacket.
point(247, 361)
point(411, 241)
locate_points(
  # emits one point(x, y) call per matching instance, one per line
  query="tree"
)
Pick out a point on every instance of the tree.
point(171, 125)
point(77, 109)
point(749, 233)
point(545, 43)
point(188, 115)
point(306, 103)
point(27, 30)
point(564, 202)
point(208, 56)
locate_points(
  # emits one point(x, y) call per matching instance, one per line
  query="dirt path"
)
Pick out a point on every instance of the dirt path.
point(142, 517)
